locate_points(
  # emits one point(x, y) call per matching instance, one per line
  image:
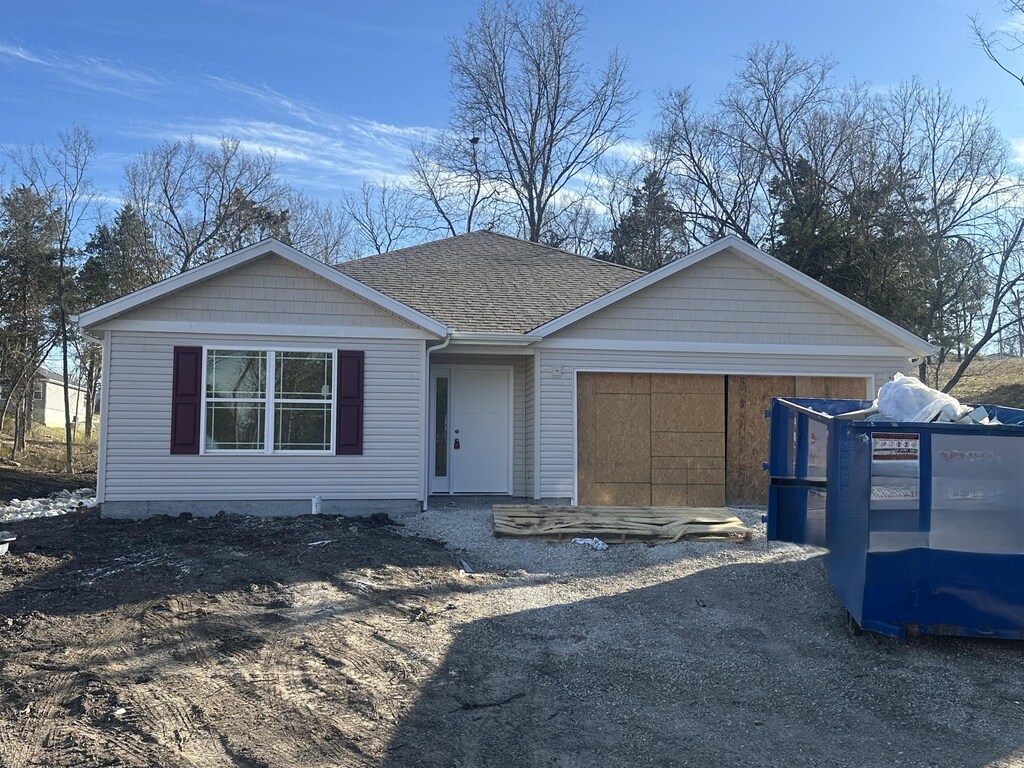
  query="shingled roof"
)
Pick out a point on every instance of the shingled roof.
point(487, 282)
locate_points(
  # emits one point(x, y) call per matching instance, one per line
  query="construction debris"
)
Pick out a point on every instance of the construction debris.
point(593, 542)
point(906, 398)
point(618, 524)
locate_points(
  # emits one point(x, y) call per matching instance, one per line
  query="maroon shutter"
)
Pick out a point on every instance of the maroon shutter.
point(186, 400)
point(349, 438)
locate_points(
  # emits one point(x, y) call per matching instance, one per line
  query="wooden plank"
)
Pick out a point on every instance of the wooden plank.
point(848, 389)
point(626, 422)
point(687, 412)
point(617, 523)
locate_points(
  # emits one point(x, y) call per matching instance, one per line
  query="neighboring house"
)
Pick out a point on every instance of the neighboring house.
point(48, 400)
point(479, 364)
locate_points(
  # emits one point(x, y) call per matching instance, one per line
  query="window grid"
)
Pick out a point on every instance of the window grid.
point(269, 401)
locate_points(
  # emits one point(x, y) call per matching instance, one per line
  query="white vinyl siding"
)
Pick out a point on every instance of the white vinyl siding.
point(529, 427)
point(270, 291)
point(51, 411)
point(726, 298)
point(558, 371)
point(139, 467)
point(519, 438)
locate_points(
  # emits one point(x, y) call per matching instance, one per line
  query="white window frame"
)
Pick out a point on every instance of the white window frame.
point(268, 400)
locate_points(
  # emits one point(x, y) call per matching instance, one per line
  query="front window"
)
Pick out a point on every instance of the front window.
point(269, 401)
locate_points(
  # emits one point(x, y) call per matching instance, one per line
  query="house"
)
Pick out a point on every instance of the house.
point(48, 400)
point(478, 364)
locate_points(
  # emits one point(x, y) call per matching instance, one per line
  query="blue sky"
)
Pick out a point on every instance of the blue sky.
point(339, 89)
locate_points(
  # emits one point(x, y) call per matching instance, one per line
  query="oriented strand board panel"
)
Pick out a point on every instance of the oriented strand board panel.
point(839, 387)
point(688, 440)
point(614, 434)
point(748, 429)
point(651, 439)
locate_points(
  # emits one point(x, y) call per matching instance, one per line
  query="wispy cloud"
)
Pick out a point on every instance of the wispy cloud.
point(1014, 24)
point(319, 148)
point(17, 52)
point(88, 71)
point(315, 148)
point(1018, 150)
point(328, 159)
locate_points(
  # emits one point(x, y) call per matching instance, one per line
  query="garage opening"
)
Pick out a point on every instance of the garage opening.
point(695, 440)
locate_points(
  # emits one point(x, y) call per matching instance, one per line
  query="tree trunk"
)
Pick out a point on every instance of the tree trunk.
point(21, 416)
point(69, 431)
point(90, 368)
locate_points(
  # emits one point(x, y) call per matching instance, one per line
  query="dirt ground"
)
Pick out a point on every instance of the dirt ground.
point(322, 641)
point(23, 483)
point(999, 381)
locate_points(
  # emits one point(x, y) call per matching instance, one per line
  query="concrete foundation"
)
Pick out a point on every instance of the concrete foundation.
point(396, 508)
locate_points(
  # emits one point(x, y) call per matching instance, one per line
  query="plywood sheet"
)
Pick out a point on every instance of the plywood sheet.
point(680, 439)
point(622, 438)
point(614, 439)
point(627, 423)
point(686, 384)
point(840, 387)
point(748, 429)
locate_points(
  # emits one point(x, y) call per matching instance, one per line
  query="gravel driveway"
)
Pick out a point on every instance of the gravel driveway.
point(699, 654)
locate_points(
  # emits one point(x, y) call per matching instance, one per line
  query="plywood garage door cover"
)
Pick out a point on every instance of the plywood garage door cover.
point(682, 439)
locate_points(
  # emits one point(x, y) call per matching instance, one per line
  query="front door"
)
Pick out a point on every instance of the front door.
point(477, 448)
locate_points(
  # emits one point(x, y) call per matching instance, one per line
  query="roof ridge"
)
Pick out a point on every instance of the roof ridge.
point(557, 250)
point(592, 259)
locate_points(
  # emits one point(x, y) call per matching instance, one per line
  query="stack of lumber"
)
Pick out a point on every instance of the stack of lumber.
point(617, 524)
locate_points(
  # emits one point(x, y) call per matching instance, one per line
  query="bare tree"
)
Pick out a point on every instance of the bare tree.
point(384, 215)
point(199, 204)
point(720, 186)
point(518, 83)
point(1005, 278)
point(577, 227)
point(780, 111)
point(60, 175)
point(448, 174)
point(1004, 43)
point(318, 229)
point(955, 180)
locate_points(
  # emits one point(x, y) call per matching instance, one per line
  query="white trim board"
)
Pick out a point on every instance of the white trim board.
point(536, 424)
point(266, 247)
point(101, 457)
point(265, 329)
point(902, 337)
point(705, 371)
point(774, 350)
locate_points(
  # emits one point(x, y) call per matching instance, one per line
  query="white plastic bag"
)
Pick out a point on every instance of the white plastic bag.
point(906, 398)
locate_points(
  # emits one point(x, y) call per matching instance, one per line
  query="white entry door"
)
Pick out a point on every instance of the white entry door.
point(480, 434)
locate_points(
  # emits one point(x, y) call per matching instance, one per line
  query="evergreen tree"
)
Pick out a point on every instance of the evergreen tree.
point(651, 233)
point(859, 242)
point(29, 325)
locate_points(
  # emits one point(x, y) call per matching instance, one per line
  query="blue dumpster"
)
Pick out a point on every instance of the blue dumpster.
point(923, 523)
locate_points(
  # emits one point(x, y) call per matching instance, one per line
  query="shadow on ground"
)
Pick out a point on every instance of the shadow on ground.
point(711, 670)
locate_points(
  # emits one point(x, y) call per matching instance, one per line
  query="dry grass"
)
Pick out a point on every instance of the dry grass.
point(45, 449)
point(994, 381)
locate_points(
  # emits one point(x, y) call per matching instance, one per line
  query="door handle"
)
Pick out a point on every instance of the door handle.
point(456, 446)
